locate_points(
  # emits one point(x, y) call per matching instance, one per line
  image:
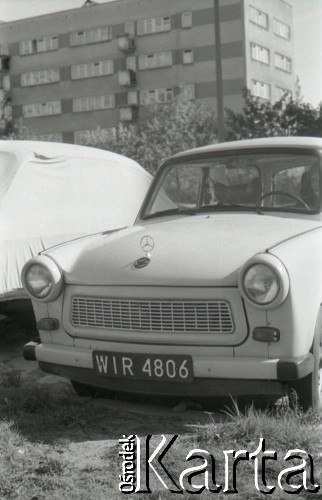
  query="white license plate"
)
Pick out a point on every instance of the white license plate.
point(175, 368)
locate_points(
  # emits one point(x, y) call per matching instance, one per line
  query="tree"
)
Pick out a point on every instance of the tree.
point(283, 118)
point(167, 129)
point(9, 129)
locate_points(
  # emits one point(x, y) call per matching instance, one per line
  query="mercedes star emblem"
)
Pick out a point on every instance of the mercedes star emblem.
point(147, 244)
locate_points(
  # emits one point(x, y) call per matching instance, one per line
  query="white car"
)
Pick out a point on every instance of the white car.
point(53, 192)
point(215, 290)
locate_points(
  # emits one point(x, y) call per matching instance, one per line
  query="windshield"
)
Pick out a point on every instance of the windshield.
point(260, 182)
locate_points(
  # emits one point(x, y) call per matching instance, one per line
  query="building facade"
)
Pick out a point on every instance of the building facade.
point(68, 73)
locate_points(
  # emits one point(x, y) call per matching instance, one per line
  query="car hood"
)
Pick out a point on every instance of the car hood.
point(201, 250)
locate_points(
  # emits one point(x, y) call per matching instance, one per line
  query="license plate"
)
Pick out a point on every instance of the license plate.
point(175, 368)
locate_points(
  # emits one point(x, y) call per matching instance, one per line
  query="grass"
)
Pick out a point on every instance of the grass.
point(12, 378)
point(31, 471)
point(54, 445)
point(282, 429)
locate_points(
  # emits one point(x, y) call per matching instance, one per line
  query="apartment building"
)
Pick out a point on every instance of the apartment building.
point(70, 72)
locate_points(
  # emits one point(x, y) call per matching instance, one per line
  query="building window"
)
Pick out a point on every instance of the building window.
point(156, 96)
point(131, 63)
point(282, 62)
point(187, 56)
point(186, 20)
point(40, 77)
point(38, 45)
point(132, 98)
point(156, 60)
point(280, 93)
point(281, 29)
point(5, 82)
point(259, 53)
point(26, 47)
point(189, 91)
point(261, 89)
point(128, 113)
point(259, 17)
point(4, 49)
point(129, 28)
point(46, 44)
point(89, 70)
point(41, 109)
point(93, 103)
point(88, 136)
point(94, 35)
point(53, 137)
point(154, 25)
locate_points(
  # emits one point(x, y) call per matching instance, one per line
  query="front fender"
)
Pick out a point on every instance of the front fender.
point(296, 317)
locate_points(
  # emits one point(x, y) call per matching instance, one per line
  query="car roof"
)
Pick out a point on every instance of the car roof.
point(266, 142)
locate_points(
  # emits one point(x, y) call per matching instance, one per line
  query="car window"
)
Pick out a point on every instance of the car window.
point(181, 187)
point(269, 181)
point(190, 186)
point(301, 182)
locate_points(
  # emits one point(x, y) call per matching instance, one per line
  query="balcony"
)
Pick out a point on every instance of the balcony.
point(4, 63)
point(126, 43)
point(128, 113)
point(127, 78)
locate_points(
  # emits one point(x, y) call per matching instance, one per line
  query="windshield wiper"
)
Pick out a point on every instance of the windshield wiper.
point(204, 208)
point(171, 211)
point(233, 206)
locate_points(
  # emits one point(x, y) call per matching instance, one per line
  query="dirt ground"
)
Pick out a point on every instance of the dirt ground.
point(75, 439)
point(61, 430)
point(41, 396)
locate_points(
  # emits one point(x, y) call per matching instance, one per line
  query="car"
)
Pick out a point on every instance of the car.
point(214, 291)
point(54, 192)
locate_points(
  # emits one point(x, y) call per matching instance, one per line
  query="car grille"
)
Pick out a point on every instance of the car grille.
point(153, 316)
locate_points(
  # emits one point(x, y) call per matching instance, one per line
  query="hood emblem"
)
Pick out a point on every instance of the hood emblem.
point(142, 262)
point(147, 244)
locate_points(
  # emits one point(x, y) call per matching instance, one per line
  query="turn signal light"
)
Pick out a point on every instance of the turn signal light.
point(48, 324)
point(266, 334)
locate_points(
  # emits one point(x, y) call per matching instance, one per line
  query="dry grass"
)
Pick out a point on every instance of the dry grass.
point(54, 445)
point(282, 428)
point(11, 378)
point(39, 471)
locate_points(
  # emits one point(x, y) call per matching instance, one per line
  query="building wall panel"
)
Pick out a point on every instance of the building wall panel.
point(238, 67)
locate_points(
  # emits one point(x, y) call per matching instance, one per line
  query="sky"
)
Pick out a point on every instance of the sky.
point(307, 18)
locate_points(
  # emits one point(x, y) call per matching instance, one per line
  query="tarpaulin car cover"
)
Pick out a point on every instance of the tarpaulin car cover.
point(51, 193)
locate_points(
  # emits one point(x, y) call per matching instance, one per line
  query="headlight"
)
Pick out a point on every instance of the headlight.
point(264, 281)
point(42, 279)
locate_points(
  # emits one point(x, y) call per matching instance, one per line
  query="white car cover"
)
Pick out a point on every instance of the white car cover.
point(52, 192)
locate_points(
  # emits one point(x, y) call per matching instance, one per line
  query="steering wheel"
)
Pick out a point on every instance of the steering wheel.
point(282, 193)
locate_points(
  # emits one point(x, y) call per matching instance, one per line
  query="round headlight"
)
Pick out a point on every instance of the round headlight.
point(261, 284)
point(264, 281)
point(39, 281)
point(42, 279)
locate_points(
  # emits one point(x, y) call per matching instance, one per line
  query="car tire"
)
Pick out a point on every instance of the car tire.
point(306, 392)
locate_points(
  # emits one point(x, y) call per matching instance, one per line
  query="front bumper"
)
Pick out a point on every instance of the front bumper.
point(212, 376)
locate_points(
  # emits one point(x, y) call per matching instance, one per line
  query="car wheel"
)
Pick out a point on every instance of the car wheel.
point(84, 390)
point(306, 392)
